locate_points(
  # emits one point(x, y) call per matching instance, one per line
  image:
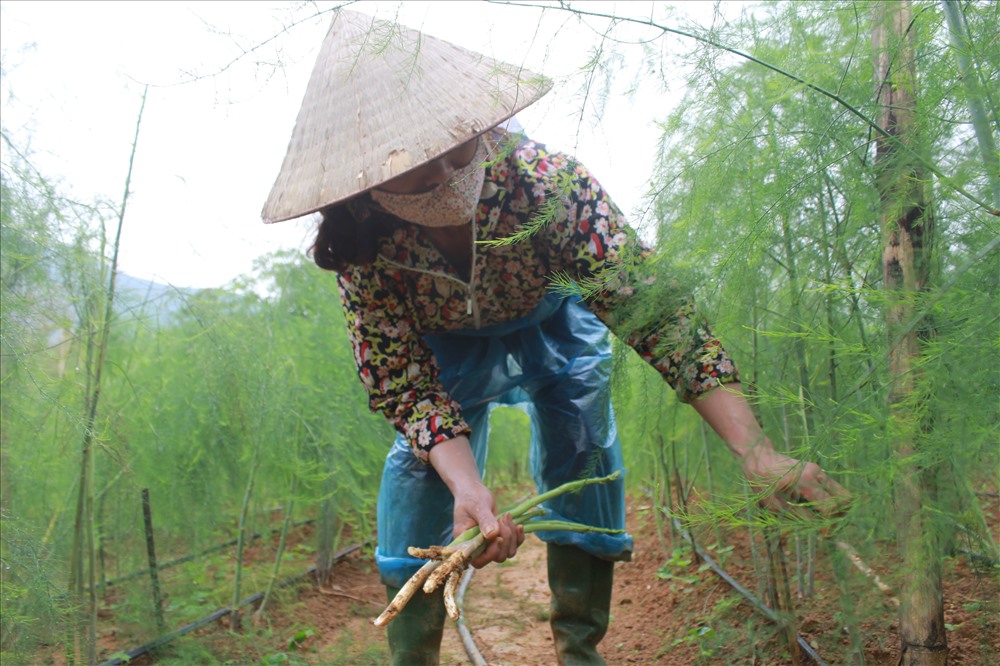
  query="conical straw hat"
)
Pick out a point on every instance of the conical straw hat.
point(382, 100)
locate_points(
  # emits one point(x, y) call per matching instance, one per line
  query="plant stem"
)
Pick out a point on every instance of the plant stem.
point(566, 526)
point(525, 505)
point(281, 547)
point(710, 478)
point(234, 619)
point(83, 533)
point(977, 108)
point(571, 487)
point(803, 645)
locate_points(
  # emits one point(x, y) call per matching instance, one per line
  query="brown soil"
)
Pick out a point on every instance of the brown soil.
point(664, 611)
point(692, 617)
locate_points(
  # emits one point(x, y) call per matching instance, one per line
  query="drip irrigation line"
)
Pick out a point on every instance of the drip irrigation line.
point(214, 617)
point(979, 558)
point(475, 656)
point(193, 556)
point(757, 603)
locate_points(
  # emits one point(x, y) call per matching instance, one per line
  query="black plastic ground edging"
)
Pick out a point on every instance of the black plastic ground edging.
point(217, 615)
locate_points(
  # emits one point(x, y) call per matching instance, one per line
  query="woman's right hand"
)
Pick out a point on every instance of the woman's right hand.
point(477, 506)
point(474, 503)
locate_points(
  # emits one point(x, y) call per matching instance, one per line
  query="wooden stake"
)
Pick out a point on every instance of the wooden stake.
point(154, 575)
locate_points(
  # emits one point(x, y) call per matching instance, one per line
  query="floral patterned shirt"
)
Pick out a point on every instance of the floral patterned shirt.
point(411, 290)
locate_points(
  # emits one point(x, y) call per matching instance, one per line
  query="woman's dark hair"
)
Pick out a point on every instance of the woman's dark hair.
point(342, 240)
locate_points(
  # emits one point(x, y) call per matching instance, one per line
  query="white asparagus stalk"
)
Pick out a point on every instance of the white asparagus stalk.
point(405, 593)
point(457, 562)
point(450, 588)
point(432, 553)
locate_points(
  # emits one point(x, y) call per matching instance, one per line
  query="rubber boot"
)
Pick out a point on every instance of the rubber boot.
point(581, 603)
point(415, 634)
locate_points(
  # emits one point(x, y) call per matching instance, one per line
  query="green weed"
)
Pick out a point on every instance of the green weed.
point(680, 559)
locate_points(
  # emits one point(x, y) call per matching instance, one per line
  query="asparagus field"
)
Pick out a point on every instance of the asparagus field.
point(189, 474)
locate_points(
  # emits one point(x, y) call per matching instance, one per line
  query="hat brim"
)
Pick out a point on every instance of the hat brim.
point(383, 100)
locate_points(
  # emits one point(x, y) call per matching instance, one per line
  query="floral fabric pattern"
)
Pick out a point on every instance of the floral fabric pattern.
point(411, 290)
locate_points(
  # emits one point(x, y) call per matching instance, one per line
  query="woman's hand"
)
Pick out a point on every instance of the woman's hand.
point(477, 506)
point(474, 503)
point(790, 480)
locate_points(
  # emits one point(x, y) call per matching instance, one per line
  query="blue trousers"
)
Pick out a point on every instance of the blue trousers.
point(555, 364)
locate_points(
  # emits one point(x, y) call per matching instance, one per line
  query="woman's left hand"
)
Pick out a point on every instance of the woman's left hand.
point(789, 481)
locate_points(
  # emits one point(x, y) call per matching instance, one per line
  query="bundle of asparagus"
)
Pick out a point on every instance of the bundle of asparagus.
point(446, 564)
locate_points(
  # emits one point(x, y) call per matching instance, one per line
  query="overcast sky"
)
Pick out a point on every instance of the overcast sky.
point(217, 120)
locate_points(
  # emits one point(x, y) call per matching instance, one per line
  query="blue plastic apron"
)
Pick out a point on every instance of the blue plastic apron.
point(554, 363)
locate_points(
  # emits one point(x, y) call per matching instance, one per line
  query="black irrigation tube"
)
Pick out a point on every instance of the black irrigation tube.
point(217, 615)
point(978, 559)
point(193, 556)
point(757, 603)
point(477, 659)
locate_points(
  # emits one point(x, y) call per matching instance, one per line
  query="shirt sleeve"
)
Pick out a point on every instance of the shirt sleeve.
point(396, 367)
point(595, 247)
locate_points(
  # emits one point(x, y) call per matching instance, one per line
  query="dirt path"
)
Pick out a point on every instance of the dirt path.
point(507, 609)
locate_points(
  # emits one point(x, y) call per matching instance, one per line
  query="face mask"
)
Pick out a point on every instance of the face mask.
point(450, 204)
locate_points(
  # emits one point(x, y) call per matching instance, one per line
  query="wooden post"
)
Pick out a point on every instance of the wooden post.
point(154, 575)
point(907, 231)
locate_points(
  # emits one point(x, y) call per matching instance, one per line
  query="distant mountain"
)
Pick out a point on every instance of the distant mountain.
point(148, 299)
